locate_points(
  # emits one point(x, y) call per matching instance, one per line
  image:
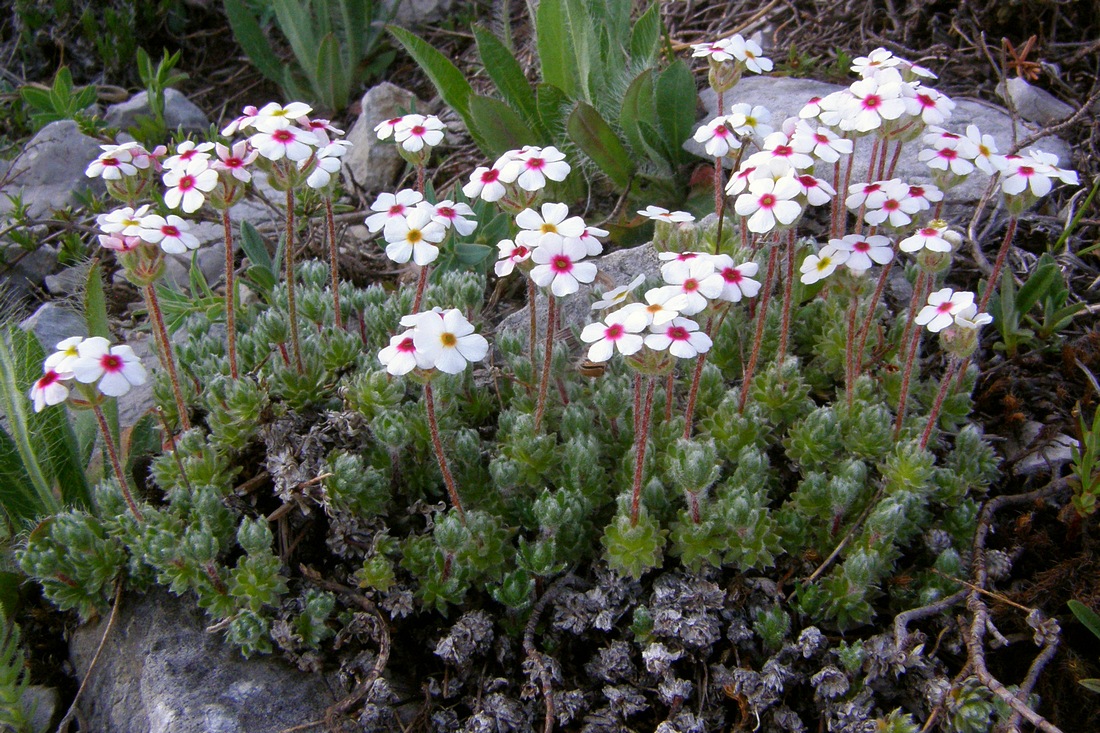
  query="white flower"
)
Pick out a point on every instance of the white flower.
point(717, 138)
point(970, 319)
point(617, 296)
point(384, 129)
point(945, 155)
point(415, 132)
point(821, 265)
point(325, 162)
point(749, 53)
point(873, 102)
point(323, 129)
point(925, 195)
point(1032, 173)
point(864, 252)
point(61, 361)
point(681, 337)
point(891, 205)
point(414, 235)
point(447, 341)
point(172, 233)
point(592, 246)
point(187, 151)
point(285, 142)
point(863, 193)
point(50, 389)
point(816, 191)
point(984, 149)
point(188, 186)
point(554, 224)
point(401, 356)
point(124, 220)
point(930, 238)
point(769, 202)
point(656, 213)
point(273, 116)
point(248, 116)
point(235, 160)
point(777, 147)
point(692, 278)
point(717, 50)
point(880, 58)
point(450, 214)
point(115, 162)
point(943, 306)
point(736, 280)
point(661, 306)
point(821, 142)
point(486, 183)
point(748, 120)
point(119, 242)
point(617, 332)
point(532, 166)
point(558, 264)
point(115, 368)
point(931, 106)
point(391, 205)
point(511, 254)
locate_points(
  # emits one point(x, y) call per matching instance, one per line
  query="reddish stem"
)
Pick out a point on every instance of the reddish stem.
point(865, 330)
point(1002, 255)
point(641, 438)
point(788, 286)
point(330, 219)
point(421, 286)
point(911, 355)
point(761, 320)
point(544, 381)
point(112, 451)
point(230, 296)
point(670, 384)
point(291, 303)
point(452, 489)
point(166, 356)
point(850, 368)
point(941, 395)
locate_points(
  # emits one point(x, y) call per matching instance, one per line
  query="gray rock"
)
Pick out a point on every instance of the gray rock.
point(179, 112)
point(136, 403)
point(1035, 104)
point(41, 705)
point(411, 13)
point(69, 281)
point(1034, 454)
point(23, 271)
point(784, 97)
point(372, 164)
point(50, 170)
point(161, 671)
point(53, 323)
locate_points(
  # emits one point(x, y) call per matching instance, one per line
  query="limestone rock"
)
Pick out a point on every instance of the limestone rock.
point(372, 164)
point(53, 323)
point(179, 111)
point(784, 97)
point(23, 271)
point(1035, 104)
point(50, 170)
point(162, 672)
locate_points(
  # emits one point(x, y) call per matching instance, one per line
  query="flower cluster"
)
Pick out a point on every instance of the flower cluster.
point(436, 339)
point(90, 361)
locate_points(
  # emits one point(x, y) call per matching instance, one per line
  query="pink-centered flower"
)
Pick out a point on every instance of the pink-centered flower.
point(286, 142)
point(447, 341)
point(384, 129)
point(932, 107)
point(779, 147)
point(235, 161)
point(391, 205)
point(243, 122)
point(172, 233)
point(325, 163)
point(924, 195)
point(749, 53)
point(864, 252)
point(946, 156)
point(188, 186)
point(818, 192)
point(616, 333)
point(50, 389)
point(943, 306)
point(416, 132)
point(717, 138)
point(929, 237)
point(558, 265)
point(592, 245)
point(113, 164)
point(737, 280)
point(874, 101)
point(693, 279)
point(455, 215)
point(769, 203)
point(401, 356)
point(510, 255)
point(891, 205)
point(821, 142)
point(187, 151)
point(531, 167)
point(681, 337)
point(115, 368)
point(119, 242)
point(657, 213)
point(485, 183)
point(553, 224)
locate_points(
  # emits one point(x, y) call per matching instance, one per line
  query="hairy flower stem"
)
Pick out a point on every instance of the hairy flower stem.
point(330, 220)
point(788, 288)
point(834, 214)
point(548, 353)
point(230, 295)
point(164, 344)
point(761, 321)
point(641, 437)
point(420, 171)
point(689, 411)
point(291, 303)
point(670, 385)
point(911, 352)
point(452, 489)
point(915, 300)
point(865, 329)
point(849, 356)
point(894, 160)
point(941, 395)
point(998, 265)
point(696, 516)
point(421, 286)
point(532, 334)
point(842, 193)
point(112, 451)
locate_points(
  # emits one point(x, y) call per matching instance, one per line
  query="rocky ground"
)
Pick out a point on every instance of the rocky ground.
point(1030, 401)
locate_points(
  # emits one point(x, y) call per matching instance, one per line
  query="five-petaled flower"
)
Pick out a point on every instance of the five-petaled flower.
point(115, 369)
point(558, 265)
point(943, 306)
point(446, 340)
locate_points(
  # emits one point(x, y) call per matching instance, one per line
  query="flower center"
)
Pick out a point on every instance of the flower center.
point(490, 176)
point(925, 100)
point(111, 363)
point(49, 378)
point(414, 236)
point(808, 181)
point(186, 183)
point(821, 138)
point(561, 264)
point(944, 307)
point(397, 210)
point(677, 333)
point(418, 130)
point(282, 136)
point(871, 101)
point(861, 246)
point(1026, 170)
point(406, 345)
point(613, 332)
point(824, 264)
point(767, 200)
point(916, 192)
point(536, 164)
point(690, 285)
point(949, 154)
point(891, 205)
point(446, 212)
point(732, 275)
point(548, 228)
point(519, 253)
point(234, 162)
point(783, 151)
point(110, 162)
point(448, 339)
point(170, 231)
point(721, 131)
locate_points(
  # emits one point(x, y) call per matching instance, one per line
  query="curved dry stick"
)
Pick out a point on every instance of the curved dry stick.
point(63, 726)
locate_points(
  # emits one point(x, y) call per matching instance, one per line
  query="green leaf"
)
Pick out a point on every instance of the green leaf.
point(143, 439)
point(95, 316)
point(676, 97)
point(499, 125)
point(1037, 285)
point(448, 80)
point(509, 78)
point(655, 143)
point(638, 107)
point(331, 83)
point(18, 504)
point(552, 105)
point(247, 31)
point(585, 45)
point(13, 399)
point(555, 51)
point(1086, 616)
point(595, 137)
point(646, 35)
point(253, 246)
point(471, 254)
point(296, 21)
point(40, 99)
